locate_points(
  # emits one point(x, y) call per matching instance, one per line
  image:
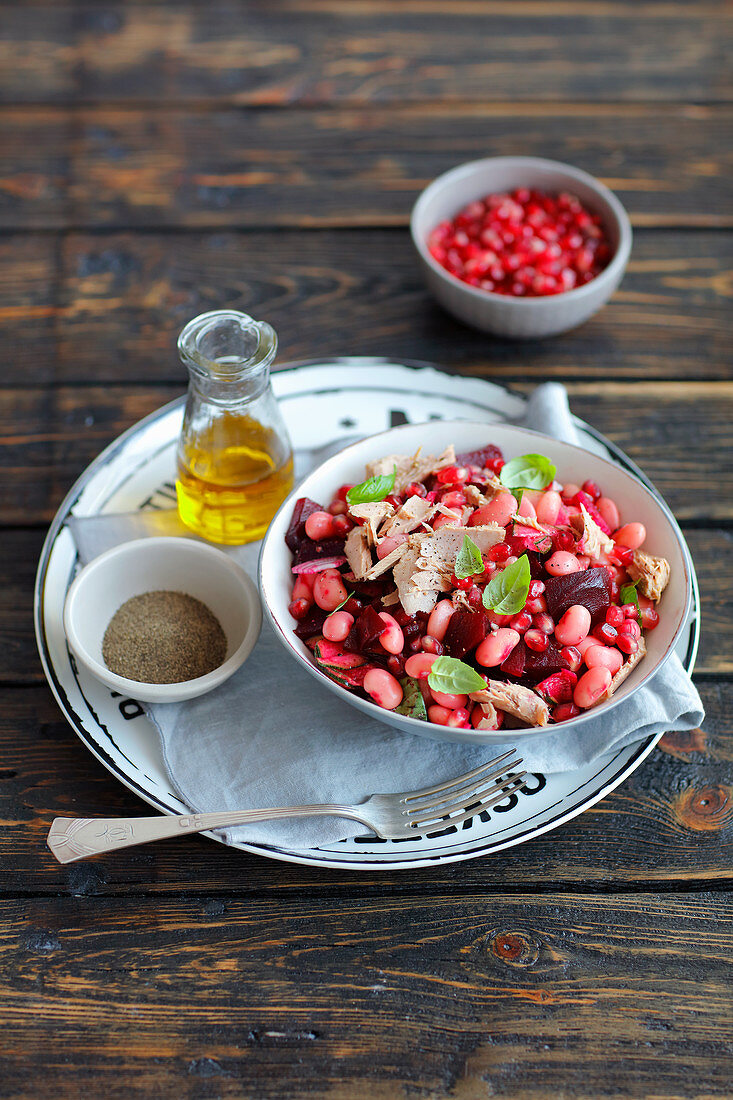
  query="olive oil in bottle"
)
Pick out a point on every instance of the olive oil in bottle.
point(235, 460)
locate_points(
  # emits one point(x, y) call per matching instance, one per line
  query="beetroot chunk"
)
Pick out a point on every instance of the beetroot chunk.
point(540, 665)
point(296, 531)
point(484, 457)
point(308, 550)
point(515, 662)
point(590, 588)
point(364, 634)
point(312, 624)
point(466, 630)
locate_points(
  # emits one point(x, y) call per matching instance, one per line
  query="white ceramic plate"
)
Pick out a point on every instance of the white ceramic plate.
point(321, 403)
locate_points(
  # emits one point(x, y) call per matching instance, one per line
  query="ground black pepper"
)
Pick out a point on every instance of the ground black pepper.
point(163, 638)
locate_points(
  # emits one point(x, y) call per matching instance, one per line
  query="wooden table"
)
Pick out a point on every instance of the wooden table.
point(158, 159)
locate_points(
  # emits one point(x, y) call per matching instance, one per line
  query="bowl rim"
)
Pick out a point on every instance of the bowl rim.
point(473, 167)
point(180, 689)
point(416, 725)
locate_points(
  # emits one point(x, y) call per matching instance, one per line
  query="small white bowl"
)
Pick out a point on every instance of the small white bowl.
point(501, 314)
point(155, 564)
point(574, 464)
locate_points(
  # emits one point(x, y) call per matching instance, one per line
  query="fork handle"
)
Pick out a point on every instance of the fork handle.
point(73, 838)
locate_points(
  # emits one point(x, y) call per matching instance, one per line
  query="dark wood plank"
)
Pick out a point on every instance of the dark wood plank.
point(464, 996)
point(124, 299)
point(315, 51)
point(29, 296)
point(127, 167)
point(669, 826)
point(22, 548)
point(676, 431)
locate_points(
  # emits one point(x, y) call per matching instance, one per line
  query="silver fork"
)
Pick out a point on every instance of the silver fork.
point(390, 816)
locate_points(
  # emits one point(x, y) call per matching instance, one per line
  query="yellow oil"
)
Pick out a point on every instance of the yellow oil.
point(232, 477)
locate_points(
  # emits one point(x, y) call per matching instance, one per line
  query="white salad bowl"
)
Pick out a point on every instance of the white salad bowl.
point(171, 564)
point(574, 464)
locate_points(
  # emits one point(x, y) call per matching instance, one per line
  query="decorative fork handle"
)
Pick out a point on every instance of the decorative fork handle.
point(73, 838)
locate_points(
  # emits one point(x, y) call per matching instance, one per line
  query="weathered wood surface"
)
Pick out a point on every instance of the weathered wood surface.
point(602, 996)
point(710, 547)
point(669, 826)
point(678, 432)
point(108, 307)
point(127, 167)
point(328, 51)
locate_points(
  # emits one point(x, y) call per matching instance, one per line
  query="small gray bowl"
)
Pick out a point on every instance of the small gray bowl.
point(498, 313)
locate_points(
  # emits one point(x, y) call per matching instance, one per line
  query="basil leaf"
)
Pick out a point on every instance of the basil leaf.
point(629, 594)
point(517, 494)
point(373, 489)
point(454, 677)
point(469, 560)
point(413, 704)
point(506, 593)
point(527, 472)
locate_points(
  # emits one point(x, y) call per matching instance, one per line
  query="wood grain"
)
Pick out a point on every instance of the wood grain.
point(429, 996)
point(669, 826)
point(108, 307)
point(324, 51)
point(676, 431)
point(22, 547)
point(126, 167)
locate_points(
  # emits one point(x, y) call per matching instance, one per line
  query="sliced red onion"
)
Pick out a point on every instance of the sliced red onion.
point(317, 565)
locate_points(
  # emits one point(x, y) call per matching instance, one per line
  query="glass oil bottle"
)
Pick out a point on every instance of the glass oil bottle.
point(235, 459)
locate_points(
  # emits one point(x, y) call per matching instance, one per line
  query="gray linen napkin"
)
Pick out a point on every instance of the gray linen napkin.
point(273, 736)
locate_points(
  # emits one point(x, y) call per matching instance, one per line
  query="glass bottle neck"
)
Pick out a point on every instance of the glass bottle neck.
point(228, 356)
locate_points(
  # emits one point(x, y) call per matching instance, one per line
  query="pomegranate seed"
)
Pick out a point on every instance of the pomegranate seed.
point(521, 622)
point(564, 712)
point(615, 616)
point(536, 640)
point(415, 645)
point(395, 501)
point(499, 552)
point(461, 583)
point(341, 525)
point(338, 508)
point(536, 588)
point(605, 633)
point(627, 644)
point(592, 489)
point(536, 605)
point(396, 665)
point(649, 618)
point(563, 540)
point(432, 645)
point(416, 489)
point(629, 610)
point(572, 657)
point(453, 475)
point(299, 608)
point(454, 499)
point(475, 596)
point(630, 628)
point(544, 622)
point(342, 491)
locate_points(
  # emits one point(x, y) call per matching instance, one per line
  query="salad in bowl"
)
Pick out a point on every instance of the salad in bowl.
point(499, 580)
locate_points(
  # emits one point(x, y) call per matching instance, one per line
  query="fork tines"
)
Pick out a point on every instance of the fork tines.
point(465, 796)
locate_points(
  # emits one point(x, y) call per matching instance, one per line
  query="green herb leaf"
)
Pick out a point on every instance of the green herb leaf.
point(342, 604)
point(469, 560)
point(629, 594)
point(527, 472)
point(454, 677)
point(373, 489)
point(517, 494)
point(506, 593)
point(413, 704)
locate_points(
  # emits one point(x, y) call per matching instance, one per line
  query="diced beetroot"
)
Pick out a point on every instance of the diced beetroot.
point(536, 565)
point(296, 531)
point(371, 590)
point(312, 624)
point(308, 550)
point(515, 662)
point(540, 665)
point(466, 630)
point(591, 588)
point(484, 457)
point(364, 634)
